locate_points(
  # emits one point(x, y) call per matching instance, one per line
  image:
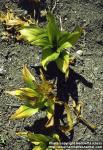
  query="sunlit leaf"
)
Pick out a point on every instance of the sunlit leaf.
point(52, 28)
point(63, 37)
point(50, 121)
point(28, 77)
point(24, 112)
point(48, 56)
point(69, 126)
point(69, 117)
point(38, 148)
point(74, 36)
point(39, 137)
point(56, 137)
point(40, 141)
point(10, 19)
point(41, 42)
point(30, 33)
point(24, 94)
point(84, 121)
point(63, 63)
point(64, 46)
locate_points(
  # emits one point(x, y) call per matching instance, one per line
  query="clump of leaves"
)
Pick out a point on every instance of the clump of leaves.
point(36, 97)
point(39, 96)
point(12, 22)
point(54, 43)
point(40, 141)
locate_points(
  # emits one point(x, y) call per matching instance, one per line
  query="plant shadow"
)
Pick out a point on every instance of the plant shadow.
point(65, 89)
point(34, 8)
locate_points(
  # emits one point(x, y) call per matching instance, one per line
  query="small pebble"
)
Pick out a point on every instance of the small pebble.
point(79, 52)
point(2, 71)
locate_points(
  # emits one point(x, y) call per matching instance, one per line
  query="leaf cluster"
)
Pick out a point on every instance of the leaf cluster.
point(54, 43)
point(39, 96)
point(36, 96)
point(40, 141)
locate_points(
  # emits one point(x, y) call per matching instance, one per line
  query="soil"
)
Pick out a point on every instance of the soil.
point(87, 13)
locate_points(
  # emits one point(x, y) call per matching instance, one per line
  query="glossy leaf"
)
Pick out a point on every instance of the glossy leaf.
point(24, 112)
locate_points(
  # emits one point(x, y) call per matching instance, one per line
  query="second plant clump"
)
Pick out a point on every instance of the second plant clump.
point(36, 97)
point(39, 97)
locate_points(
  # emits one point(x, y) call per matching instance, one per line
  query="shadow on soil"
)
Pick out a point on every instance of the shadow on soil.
point(34, 8)
point(65, 88)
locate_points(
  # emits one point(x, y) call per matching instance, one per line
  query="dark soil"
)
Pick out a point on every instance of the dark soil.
point(87, 13)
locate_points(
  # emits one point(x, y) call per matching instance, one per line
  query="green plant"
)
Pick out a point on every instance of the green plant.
point(40, 141)
point(36, 96)
point(39, 96)
point(53, 41)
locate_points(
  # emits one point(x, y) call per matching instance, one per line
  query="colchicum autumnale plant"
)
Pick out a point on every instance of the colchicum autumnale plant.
point(40, 141)
point(36, 96)
point(54, 43)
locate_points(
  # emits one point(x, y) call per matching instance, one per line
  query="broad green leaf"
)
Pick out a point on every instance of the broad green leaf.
point(52, 28)
point(63, 63)
point(63, 38)
point(39, 145)
point(47, 56)
point(39, 137)
point(74, 36)
point(28, 77)
point(29, 33)
point(70, 37)
point(24, 94)
point(41, 42)
point(24, 112)
point(64, 46)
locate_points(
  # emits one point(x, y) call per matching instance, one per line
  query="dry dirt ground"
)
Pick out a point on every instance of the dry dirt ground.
point(13, 55)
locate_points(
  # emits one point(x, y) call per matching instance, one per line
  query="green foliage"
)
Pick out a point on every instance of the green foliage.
point(35, 96)
point(40, 141)
point(53, 42)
